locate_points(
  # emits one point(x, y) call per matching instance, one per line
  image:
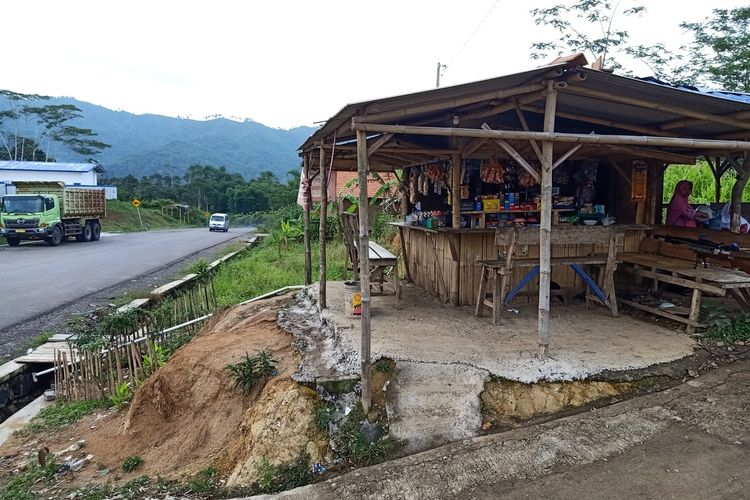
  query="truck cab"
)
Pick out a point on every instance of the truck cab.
point(28, 217)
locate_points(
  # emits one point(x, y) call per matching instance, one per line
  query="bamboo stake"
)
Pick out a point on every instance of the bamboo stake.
point(66, 380)
point(364, 269)
point(307, 205)
point(56, 358)
point(118, 363)
point(545, 227)
point(323, 225)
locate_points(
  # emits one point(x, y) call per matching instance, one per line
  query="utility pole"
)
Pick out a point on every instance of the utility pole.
point(437, 80)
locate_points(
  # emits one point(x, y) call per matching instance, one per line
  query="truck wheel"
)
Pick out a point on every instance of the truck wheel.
point(96, 231)
point(56, 238)
point(87, 235)
point(13, 242)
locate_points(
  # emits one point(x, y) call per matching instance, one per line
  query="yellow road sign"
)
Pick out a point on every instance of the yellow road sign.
point(136, 202)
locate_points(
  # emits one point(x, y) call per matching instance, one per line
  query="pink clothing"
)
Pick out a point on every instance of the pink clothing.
point(679, 211)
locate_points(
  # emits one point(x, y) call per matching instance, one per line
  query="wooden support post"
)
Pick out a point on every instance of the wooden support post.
point(545, 227)
point(743, 173)
point(323, 227)
point(364, 268)
point(456, 223)
point(307, 205)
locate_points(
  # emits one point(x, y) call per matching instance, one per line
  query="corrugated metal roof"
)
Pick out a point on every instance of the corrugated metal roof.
point(40, 166)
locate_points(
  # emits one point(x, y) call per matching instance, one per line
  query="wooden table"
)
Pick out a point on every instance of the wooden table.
point(712, 279)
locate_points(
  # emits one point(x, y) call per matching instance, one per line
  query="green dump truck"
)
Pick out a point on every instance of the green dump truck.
point(51, 212)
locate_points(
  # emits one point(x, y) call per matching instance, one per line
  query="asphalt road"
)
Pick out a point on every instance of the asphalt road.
point(36, 278)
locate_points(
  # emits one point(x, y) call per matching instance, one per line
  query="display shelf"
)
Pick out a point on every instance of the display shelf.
point(479, 217)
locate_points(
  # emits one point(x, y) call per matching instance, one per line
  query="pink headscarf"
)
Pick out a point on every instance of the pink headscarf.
point(679, 211)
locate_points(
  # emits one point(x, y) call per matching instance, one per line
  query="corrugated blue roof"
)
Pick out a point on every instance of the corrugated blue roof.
point(723, 94)
point(40, 166)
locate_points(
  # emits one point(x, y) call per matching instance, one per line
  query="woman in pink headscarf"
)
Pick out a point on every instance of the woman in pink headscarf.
point(679, 211)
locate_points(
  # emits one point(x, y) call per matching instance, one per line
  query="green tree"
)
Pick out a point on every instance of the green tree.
point(587, 26)
point(31, 130)
point(720, 52)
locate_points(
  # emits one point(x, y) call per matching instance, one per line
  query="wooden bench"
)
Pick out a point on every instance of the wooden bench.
point(381, 261)
point(662, 261)
point(509, 239)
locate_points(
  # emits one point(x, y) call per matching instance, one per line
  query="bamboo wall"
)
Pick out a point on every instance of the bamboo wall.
point(430, 265)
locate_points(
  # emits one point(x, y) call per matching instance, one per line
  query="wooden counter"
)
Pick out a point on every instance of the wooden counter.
point(443, 261)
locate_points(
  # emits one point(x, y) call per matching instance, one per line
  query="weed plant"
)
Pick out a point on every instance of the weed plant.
point(132, 463)
point(324, 415)
point(724, 326)
point(352, 445)
point(20, 485)
point(252, 369)
point(122, 395)
point(276, 478)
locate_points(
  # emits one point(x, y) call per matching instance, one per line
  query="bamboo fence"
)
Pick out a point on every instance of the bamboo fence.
point(134, 347)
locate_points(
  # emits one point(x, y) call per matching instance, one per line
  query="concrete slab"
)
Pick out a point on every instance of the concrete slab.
point(18, 420)
point(9, 370)
point(583, 342)
point(134, 304)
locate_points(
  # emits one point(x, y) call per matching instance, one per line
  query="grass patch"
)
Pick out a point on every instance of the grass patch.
point(19, 486)
point(282, 477)
point(261, 271)
point(324, 414)
point(40, 339)
point(122, 217)
point(63, 414)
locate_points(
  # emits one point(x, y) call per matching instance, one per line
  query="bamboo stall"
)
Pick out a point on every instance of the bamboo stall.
point(496, 153)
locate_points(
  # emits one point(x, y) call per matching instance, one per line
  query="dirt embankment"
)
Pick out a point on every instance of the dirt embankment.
point(188, 416)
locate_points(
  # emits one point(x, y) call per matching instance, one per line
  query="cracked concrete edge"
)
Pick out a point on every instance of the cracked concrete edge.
point(533, 451)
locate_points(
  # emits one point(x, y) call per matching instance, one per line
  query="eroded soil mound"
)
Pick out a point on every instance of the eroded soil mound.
point(188, 415)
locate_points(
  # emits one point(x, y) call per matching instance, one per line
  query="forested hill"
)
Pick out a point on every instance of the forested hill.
point(147, 144)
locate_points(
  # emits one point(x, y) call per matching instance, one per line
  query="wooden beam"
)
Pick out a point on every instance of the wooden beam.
point(545, 226)
point(606, 123)
point(378, 143)
point(567, 155)
point(687, 122)
point(622, 173)
point(632, 101)
point(307, 206)
point(653, 154)
point(558, 137)
point(456, 223)
point(322, 226)
point(396, 149)
point(364, 269)
point(514, 154)
point(406, 112)
point(525, 126)
point(473, 146)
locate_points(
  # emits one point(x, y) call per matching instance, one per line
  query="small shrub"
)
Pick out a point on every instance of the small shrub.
point(352, 445)
point(251, 370)
point(725, 327)
point(383, 366)
point(132, 463)
point(151, 365)
point(122, 395)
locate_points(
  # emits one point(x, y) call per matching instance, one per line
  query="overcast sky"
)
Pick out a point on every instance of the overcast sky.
point(282, 63)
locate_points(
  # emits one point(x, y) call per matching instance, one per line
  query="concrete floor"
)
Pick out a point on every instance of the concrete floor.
point(583, 342)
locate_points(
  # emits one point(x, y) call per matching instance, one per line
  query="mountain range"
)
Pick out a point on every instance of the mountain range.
point(146, 144)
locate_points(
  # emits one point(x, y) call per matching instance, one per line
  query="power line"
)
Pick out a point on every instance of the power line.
point(473, 33)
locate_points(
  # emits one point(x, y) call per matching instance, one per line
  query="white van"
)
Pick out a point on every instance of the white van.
point(218, 222)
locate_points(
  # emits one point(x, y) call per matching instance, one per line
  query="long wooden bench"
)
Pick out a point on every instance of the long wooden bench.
point(662, 261)
point(381, 261)
point(509, 239)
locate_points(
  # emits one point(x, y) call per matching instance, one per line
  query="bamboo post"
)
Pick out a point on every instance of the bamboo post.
point(323, 226)
point(364, 268)
point(545, 228)
point(307, 205)
point(456, 223)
